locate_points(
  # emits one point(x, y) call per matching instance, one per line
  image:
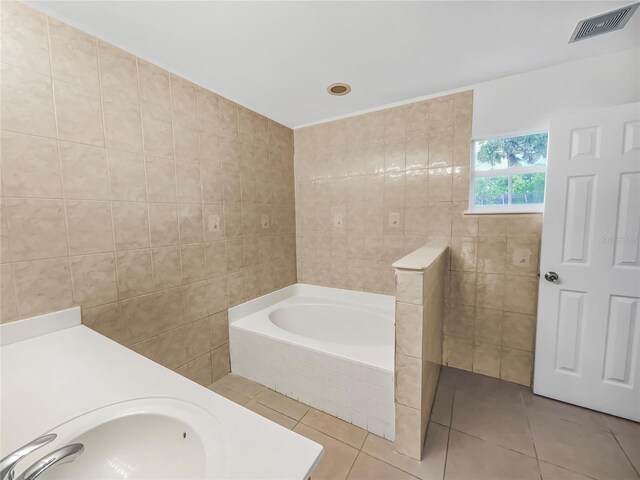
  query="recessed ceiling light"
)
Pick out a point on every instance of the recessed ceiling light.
point(338, 89)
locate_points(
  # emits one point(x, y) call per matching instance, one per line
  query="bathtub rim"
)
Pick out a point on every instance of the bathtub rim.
point(380, 358)
point(385, 302)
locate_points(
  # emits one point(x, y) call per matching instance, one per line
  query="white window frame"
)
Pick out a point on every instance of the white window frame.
point(504, 172)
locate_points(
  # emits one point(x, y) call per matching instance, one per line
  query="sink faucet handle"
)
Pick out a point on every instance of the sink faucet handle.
point(66, 454)
point(8, 463)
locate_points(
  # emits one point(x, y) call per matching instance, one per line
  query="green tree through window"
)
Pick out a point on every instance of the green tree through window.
point(517, 151)
point(510, 170)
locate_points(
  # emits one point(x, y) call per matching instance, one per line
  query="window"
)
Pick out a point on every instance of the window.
point(508, 174)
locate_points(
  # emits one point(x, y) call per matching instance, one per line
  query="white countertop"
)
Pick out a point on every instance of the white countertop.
point(47, 380)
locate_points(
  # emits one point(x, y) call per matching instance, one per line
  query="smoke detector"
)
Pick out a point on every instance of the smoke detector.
point(603, 23)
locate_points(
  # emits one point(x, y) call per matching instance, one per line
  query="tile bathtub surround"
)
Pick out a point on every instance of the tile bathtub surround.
point(374, 187)
point(149, 201)
point(419, 317)
point(358, 394)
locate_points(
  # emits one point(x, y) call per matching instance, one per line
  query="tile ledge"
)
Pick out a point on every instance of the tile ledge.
point(419, 259)
point(477, 213)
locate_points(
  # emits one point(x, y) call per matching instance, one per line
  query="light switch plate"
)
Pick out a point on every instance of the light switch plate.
point(394, 219)
point(338, 220)
point(265, 221)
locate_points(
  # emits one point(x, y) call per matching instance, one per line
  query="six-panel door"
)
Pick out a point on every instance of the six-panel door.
point(588, 332)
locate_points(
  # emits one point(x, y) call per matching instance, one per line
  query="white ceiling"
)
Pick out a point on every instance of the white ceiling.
point(277, 58)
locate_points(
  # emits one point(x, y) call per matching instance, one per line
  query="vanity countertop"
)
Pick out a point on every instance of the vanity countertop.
point(52, 378)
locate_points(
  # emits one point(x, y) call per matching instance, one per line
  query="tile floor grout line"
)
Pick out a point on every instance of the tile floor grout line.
point(538, 464)
point(589, 427)
point(538, 459)
point(453, 399)
point(446, 452)
point(251, 397)
point(624, 453)
point(567, 470)
point(372, 455)
point(365, 441)
point(281, 413)
point(492, 443)
point(438, 423)
point(381, 460)
point(354, 462)
point(254, 397)
point(516, 451)
point(397, 467)
point(300, 421)
point(446, 455)
point(559, 417)
point(334, 438)
point(331, 436)
point(533, 440)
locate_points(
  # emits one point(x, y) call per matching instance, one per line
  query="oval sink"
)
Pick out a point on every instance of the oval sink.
point(149, 438)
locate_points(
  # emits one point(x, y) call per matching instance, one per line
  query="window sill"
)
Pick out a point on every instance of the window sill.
point(502, 211)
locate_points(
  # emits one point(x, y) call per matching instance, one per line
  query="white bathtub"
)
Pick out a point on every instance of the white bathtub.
point(329, 348)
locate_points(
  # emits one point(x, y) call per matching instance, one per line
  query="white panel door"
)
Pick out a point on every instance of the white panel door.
point(588, 333)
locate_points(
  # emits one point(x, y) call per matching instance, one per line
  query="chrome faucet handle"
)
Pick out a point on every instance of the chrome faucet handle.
point(8, 463)
point(66, 454)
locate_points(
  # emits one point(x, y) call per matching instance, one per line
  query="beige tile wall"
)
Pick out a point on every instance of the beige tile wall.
point(149, 201)
point(372, 188)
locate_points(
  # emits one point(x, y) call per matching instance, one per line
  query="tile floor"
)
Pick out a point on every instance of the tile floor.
point(481, 428)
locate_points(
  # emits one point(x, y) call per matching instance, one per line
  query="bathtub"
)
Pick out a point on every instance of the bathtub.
point(329, 348)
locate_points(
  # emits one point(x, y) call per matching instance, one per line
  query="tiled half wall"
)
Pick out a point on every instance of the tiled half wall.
point(374, 187)
point(418, 352)
point(149, 201)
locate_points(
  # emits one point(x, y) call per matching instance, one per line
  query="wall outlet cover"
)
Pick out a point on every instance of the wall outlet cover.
point(394, 219)
point(213, 223)
point(521, 256)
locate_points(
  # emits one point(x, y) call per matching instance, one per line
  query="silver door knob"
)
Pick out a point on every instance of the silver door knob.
point(551, 277)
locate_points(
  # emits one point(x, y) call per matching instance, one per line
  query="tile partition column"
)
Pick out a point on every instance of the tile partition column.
point(420, 280)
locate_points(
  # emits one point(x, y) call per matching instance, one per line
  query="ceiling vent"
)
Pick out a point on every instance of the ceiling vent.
point(603, 23)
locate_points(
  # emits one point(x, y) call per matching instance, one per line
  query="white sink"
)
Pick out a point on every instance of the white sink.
point(86, 388)
point(148, 438)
